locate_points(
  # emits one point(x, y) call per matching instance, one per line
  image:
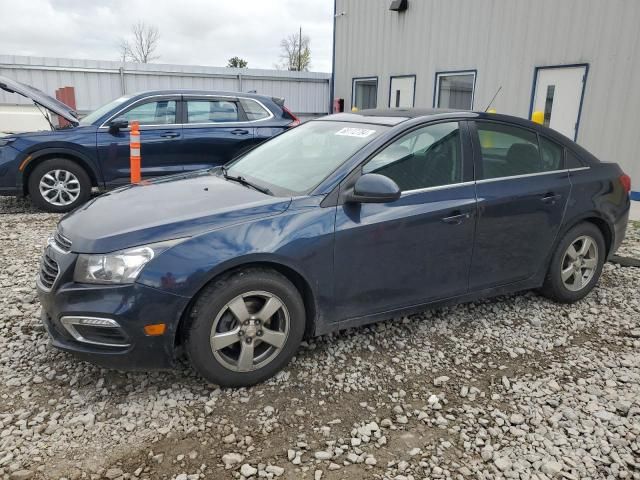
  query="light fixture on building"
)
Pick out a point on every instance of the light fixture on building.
point(399, 5)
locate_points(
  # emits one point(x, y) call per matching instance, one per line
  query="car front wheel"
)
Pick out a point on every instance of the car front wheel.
point(576, 264)
point(245, 327)
point(59, 185)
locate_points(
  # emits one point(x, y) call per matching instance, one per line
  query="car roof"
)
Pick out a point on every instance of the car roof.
point(395, 116)
point(186, 91)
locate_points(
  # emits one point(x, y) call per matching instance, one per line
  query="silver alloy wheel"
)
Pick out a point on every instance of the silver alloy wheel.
point(59, 187)
point(250, 331)
point(579, 263)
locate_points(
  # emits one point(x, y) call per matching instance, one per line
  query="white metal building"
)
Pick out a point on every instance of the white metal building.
point(578, 61)
point(97, 82)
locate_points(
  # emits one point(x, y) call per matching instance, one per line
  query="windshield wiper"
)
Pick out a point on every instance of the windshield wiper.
point(245, 182)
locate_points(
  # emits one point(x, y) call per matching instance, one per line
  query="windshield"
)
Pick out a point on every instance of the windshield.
point(298, 160)
point(96, 114)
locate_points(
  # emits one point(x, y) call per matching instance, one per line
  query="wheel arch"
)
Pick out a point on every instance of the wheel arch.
point(293, 275)
point(605, 227)
point(43, 155)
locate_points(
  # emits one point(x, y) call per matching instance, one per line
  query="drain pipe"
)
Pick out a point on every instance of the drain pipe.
point(122, 84)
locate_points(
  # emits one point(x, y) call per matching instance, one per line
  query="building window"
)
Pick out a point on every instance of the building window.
point(455, 90)
point(365, 93)
point(402, 91)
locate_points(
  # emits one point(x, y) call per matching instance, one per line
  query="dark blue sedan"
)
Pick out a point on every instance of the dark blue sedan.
point(180, 130)
point(339, 222)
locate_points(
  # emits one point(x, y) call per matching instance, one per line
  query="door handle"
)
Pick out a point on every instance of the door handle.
point(239, 131)
point(457, 218)
point(551, 198)
point(170, 135)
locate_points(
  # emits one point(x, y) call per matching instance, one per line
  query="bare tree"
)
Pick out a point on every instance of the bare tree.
point(143, 46)
point(296, 52)
point(237, 62)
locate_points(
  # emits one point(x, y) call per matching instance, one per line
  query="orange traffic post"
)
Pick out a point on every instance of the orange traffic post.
point(134, 146)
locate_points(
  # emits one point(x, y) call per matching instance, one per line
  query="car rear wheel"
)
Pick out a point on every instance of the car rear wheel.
point(576, 264)
point(59, 185)
point(245, 327)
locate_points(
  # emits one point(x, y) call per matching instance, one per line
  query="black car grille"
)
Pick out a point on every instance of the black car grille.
point(48, 271)
point(62, 243)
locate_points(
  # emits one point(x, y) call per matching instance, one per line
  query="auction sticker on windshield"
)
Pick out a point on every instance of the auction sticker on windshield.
point(355, 132)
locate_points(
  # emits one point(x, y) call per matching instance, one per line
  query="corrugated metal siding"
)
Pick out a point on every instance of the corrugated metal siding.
point(98, 82)
point(504, 40)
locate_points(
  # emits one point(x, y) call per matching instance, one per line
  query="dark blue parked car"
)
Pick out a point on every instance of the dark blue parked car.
point(337, 223)
point(180, 130)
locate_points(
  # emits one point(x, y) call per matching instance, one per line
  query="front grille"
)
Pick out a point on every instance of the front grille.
point(48, 271)
point(61, 242)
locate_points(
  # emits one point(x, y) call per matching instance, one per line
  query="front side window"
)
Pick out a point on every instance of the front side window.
point(161, 112)
point(508, 151)
point(365, 93)
point(254, 110)
point(103, 110)
point(300, 159)
point(427, 157)
point(212, 111)
point(455, 90)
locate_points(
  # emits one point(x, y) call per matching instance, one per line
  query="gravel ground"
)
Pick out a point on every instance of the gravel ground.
point(515, 387)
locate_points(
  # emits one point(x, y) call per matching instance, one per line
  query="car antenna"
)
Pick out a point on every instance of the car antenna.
point(494, 97)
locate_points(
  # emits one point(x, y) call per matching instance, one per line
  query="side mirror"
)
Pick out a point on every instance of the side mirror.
point(118, 123)
point(374, 188)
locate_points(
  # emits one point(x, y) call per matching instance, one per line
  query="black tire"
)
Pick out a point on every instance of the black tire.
point(554, 286)
point(62, 165)
point(211, 310)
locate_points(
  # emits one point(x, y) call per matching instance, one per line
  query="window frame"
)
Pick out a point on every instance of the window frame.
point(242, 117)
point(415, 81)
point(354, 80)
point(181, 116)
point(466, 151)
point(453, 73)
point(143, 101)
point(477, 150)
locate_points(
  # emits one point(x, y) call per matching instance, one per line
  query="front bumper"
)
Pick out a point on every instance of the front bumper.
point(131, 306)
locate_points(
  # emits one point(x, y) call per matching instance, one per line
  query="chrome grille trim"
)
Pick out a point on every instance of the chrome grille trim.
point(49, 272)
point(61, 243)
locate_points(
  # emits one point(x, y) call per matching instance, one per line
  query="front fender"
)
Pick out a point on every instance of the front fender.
point(300, 239)
point(30, 160)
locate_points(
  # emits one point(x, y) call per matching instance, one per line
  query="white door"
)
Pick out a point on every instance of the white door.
point(559, 95)
point(401, 92)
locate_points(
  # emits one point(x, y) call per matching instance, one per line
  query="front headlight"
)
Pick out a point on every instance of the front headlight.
point(117, 267)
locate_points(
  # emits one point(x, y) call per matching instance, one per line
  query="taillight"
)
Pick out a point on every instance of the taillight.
point(625, 181)
point(296, 120)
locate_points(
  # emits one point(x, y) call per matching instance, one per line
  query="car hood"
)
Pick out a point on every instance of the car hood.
point(164, 209)
point(41, 98)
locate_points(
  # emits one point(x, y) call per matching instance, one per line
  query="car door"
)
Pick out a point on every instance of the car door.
point(522, 190)
point(160, 140)
point(417, 248)
point(215, 130)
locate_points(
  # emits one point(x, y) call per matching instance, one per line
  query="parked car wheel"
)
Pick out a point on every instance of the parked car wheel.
point(576, 264)
point(59, 185)
point(245, 327)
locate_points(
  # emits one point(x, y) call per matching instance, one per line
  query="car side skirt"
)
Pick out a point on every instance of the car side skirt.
point(532, 283)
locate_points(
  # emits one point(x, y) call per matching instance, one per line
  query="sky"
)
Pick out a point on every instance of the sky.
point(194, 32)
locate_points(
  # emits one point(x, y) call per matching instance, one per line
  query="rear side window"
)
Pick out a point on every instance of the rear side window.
point(427, 157)
point(254, 110)
point(573, 161)
point(162, 112)
point(507, 151)
point(552, 155)
point(212, 111)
